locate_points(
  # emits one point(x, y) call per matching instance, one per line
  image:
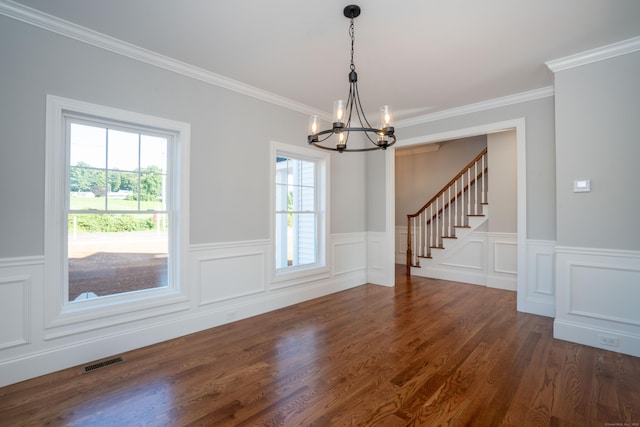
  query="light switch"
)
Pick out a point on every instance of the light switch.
point(581, 185)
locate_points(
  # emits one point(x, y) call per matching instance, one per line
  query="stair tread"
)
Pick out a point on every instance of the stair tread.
point(449, 237)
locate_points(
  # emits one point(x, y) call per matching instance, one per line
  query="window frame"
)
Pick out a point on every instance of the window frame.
point(135, 305)
point(287, 276)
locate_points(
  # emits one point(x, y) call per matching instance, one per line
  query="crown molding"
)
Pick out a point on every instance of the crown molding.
point(68, 29)
point(594, 55)
point(479, 106)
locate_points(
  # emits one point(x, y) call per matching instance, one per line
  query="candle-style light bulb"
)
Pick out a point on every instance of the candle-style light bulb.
point(313, 125)
point(385, 116)
point(338, 111)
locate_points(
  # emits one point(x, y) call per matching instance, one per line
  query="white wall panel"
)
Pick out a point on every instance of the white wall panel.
point(538, 295)
point(503, 261)
point(14, 310)
point(597, 298)
point(591, 288)
point(231, 276)
point(470, 255)
point(349, 254)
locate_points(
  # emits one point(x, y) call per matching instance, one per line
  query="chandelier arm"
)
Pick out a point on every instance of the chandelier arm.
point(354, 150)
point(360, 109)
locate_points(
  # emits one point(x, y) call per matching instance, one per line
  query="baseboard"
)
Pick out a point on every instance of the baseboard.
point(471, 277)
point(500, 282)
point(595, 337)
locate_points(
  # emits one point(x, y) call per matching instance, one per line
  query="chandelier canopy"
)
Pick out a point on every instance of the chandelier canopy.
point(381, 137)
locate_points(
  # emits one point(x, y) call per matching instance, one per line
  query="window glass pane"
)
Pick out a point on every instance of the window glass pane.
point(297, 242)
point(111, 254)
point(153, 153)
point(282, 170)
point(303, 236)
point(303, 198)
point(123, 191)
point(123, 150)
point(151, 190)
point(307, 173)
point(283, 241)
point(87, 188)
point(87, 145)
point(283, 198)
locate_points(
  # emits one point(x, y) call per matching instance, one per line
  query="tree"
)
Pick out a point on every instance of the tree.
point(115, 180)
point(151, 183)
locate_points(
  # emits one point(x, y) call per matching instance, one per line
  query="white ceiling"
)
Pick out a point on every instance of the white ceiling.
point(419, 56)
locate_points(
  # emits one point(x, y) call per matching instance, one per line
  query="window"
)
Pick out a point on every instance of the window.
point(118, 222)
point(116, 227)
point(300, 183)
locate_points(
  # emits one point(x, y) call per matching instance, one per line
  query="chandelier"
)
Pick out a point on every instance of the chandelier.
point(381, 137)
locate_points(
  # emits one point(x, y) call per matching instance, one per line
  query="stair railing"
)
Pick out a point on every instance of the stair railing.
point(449, 209)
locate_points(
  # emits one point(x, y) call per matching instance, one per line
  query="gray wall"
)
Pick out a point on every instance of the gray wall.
point(503, 182)
point(598, 138)
point(420, 176)
point(376, 182)
point(540, 156)
point(230, 135)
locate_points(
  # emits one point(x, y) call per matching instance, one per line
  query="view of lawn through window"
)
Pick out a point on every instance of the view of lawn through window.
point(117, 218)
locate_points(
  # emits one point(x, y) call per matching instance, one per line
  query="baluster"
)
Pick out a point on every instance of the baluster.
point(427, 233)
point(430, 221)
point(443, 220)
point(475, 202)
point(437, 220)
point(455, 206)
point(449, 210)
point(484, 177)
point(416, 233)
point(409, 254)
point(469, 191)
point(420, 235)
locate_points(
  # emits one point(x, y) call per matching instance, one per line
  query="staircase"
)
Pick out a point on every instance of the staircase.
point(456, 210)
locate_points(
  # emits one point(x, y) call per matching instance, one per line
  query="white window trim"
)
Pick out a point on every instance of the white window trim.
point(116, 308)
point(304, 273)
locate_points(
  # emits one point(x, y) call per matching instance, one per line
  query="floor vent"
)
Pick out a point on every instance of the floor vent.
point(103, 364)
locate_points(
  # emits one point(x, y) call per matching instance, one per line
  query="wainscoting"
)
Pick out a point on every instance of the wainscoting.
point(227, 282)
point(598, 298)
point(480, 258)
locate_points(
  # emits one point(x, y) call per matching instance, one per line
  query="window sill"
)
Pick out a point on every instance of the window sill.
point(284, 278)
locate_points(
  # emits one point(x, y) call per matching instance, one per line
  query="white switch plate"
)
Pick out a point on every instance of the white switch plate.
point(581, 185)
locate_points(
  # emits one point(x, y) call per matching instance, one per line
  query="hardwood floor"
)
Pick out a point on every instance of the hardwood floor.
point(429, 352)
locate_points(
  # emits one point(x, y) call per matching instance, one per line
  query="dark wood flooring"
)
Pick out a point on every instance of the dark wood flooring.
point(427, 353)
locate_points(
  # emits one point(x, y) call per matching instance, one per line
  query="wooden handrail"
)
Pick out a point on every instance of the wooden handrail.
point(433, 199)
point(455, 196)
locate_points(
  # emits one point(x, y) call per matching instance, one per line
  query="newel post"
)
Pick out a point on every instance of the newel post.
point(409, 254)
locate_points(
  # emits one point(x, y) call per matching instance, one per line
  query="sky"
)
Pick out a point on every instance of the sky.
point(88, 144)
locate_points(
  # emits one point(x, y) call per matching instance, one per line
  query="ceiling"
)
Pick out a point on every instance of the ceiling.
point(419, 56)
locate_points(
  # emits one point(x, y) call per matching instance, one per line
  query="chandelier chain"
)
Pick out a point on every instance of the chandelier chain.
point(352, 34)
